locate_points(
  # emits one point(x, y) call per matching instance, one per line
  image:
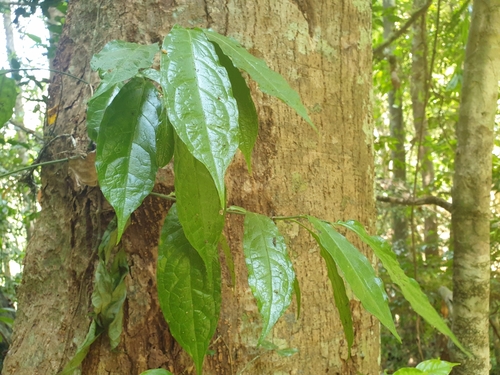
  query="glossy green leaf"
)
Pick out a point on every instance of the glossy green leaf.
point(97, 106)
point(8, 95)
point(189, 295)
point(270, 271)
point(126, 148)
point(357, 271)
point(409, 287)
point(158, 371)
point(228, 257)
point(200, 102)
point(247, 114)
point(269, 81)
point(164, 142)
point(119, 61)
point(92, 335)
point(437, 366)
point(198, 204)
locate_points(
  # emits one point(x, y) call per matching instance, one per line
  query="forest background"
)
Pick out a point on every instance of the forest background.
point(418, 62)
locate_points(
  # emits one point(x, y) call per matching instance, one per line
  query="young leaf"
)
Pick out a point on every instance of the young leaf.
point(119, 61)
point(270, 271)
point(247, 114)
point(198, 205)
point(357, 271)
point(97, 106)
point(409, 287)
point(189, 297)
point(200, 102)
point(8, 95)
point(269, 81)
point(126, 148)
point(410, 371)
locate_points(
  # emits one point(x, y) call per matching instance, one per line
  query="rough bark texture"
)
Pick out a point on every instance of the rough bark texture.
point(471, 188)
point(323, 48)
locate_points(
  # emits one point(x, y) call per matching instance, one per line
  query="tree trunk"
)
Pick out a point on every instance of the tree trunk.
point(471, 188)
point(323, 48)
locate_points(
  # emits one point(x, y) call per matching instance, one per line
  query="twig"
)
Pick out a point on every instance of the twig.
point(418, 201)
point(378, 52)
point(25, 129)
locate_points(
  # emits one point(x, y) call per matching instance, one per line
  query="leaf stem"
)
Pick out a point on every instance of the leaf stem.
point(47, 69)
point(170, 197)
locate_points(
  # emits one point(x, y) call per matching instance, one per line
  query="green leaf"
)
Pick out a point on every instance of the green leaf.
point(198, 205)
point(437, 366)
point(247, 114)
point(34, 38)
point(298, 295)
point(228, 257)
point(8, 95)
point(410, 371)
point(189, 295)
point(200, 102)
point(339, 292)
point(126, 148)
point(108, 241)
point(270, 271)
point(357, 271)
point(409, 287)
point(288, 352)
point(164, 141)
point(97, 106)
point(93, 333)
point(119, 61)
point(158, 371)
point(269, 81)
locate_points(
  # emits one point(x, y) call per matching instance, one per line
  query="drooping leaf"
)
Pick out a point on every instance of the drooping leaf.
point(198, 205)
point(409, 287)
point(126, 148)
point(269, 81)
point(97, 106)
point(92, 335)
point(270, 271)
point(158, 371)
point(247, 114)
point(108, 241)
point(8, 94)
point(339, 292)
point(200, 102)
point(189, 296)
point(357, 271)
point(119, 61)
point(437, 366)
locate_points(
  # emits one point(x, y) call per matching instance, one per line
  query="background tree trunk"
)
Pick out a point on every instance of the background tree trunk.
point(471, 188)
point(323, 48)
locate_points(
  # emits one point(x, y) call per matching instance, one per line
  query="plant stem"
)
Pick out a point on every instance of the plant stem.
point(34, 166)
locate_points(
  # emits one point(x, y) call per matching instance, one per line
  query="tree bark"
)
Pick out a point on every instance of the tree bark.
point(471, 188)
point(323, 48)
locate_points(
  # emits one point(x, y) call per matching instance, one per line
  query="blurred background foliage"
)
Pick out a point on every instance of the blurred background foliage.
point(419, 49)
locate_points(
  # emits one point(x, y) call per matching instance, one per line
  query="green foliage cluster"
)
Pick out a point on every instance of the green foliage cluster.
point(197, 109)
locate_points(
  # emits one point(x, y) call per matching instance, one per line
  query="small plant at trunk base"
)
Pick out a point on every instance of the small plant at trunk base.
point(430, 367)
point(197, 109)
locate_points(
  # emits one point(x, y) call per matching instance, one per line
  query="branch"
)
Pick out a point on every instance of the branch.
point(25, 129)
point(418, 201)
point(378, 52)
